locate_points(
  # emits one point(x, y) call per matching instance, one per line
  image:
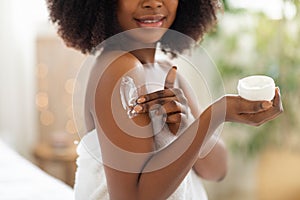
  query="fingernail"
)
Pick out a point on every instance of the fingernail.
point(138, 108)
point(278, 89)
point(267, 105)
point(141, 100)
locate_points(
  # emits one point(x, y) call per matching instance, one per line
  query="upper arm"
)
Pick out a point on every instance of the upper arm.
point(125, 146)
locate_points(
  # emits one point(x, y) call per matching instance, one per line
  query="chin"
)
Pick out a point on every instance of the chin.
point(147, 35)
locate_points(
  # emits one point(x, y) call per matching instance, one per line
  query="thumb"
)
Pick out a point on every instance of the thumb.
point(170, 78)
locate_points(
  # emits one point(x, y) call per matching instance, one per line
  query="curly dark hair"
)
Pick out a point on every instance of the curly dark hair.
point(84, 24)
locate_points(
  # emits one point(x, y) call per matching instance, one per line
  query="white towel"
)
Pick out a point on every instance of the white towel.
point(90, 182)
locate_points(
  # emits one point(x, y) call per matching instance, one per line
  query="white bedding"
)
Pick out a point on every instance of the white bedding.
point(21, 180)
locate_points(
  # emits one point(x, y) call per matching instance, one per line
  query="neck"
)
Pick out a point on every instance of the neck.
point(145, 52)
point(146, 55)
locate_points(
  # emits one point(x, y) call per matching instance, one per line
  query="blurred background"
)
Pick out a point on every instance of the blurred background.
point(252, 37)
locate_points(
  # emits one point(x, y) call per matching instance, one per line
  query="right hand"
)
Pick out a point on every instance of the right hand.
point(253, 113)
point(169, 102)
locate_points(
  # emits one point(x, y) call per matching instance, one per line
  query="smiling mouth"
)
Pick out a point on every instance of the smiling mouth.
point(150, 21)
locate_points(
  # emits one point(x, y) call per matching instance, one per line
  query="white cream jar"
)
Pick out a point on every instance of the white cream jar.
point(256, 88)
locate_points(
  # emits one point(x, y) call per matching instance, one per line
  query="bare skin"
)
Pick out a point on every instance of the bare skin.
point(143, 184)
point(145, 181)
point(131, 159)
point(213, 166)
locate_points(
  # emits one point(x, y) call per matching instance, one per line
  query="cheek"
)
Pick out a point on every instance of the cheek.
point(122, 20)
point(124, 13)
point(173, 5)
point(127, 7)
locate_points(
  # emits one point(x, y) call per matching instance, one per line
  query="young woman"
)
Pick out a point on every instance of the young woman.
point(141, 112)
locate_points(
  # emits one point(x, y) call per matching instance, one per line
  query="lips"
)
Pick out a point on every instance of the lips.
point(150, 21)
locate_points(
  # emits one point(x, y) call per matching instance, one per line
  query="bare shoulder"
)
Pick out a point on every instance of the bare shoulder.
point(111, 115)
point(118, 64)
point(119, 61)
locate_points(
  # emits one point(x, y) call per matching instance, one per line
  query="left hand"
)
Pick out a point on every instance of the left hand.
point(253, 113)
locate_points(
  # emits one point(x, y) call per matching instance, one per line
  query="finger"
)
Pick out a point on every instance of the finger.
point(170, 78)
point(172, 107)
point(152, 105)
point(174, 128)
point(170, 92)
point(157, 102)
point(246, 106)
point(257, 119)
point(174, 118)
point(277, 98)
point(256, 107)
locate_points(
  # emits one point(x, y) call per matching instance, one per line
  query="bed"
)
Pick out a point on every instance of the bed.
point(22, 180)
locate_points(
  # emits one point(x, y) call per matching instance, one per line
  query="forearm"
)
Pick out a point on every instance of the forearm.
point(171, 176)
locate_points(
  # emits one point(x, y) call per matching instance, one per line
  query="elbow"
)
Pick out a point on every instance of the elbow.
point(216, 175)
point(221, 177)
point(212, 170)
point(220, 173)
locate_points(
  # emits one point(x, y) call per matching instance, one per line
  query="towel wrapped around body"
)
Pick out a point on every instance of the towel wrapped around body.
point(90, 181)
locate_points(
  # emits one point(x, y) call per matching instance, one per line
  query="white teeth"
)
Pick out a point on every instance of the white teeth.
point(150, 21)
